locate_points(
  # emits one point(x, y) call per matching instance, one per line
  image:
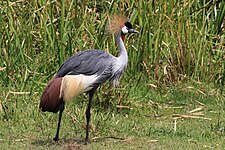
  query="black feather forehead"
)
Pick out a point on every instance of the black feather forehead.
point(128, 25)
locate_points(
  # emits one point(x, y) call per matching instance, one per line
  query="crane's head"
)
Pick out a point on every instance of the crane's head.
point(119, 25)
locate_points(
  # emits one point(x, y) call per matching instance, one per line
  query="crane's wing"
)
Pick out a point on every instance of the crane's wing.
point(75, 77)
point(89, 62)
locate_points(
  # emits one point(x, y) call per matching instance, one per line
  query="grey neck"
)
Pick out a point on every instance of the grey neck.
point(123, 52)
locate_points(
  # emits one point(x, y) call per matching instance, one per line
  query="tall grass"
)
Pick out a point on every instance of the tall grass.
point(177, 40)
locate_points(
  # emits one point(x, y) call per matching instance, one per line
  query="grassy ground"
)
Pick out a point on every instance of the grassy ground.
point(171, 96)
point(181, 117)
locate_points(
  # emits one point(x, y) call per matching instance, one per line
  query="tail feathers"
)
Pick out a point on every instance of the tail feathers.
point(50, 99)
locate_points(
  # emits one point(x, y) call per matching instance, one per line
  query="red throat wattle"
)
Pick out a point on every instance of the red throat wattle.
point(123, 37)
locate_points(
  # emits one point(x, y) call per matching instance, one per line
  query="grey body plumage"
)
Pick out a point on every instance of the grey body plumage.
point(89, 62)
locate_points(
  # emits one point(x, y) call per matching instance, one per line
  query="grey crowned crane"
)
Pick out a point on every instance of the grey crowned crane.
point(85, 71)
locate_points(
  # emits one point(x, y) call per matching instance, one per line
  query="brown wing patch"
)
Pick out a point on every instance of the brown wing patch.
point(50, 98)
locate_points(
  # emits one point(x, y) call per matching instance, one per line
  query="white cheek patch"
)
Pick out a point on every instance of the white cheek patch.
point(124, 30)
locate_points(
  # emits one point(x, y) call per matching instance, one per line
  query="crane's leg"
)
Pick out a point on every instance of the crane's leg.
point(61, 108)
point(88, 113)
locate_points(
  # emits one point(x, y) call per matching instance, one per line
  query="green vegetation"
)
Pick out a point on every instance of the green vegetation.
point(171, 97)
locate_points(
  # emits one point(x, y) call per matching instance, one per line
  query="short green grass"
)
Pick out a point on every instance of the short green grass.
point(148, 121)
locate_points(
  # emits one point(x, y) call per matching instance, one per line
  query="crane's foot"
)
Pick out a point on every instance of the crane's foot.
point(87, 141)
point(56, 139)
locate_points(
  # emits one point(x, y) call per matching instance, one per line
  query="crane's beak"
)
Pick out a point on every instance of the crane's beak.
point(132, 31)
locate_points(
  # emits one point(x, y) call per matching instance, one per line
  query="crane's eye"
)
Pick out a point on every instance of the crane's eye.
point(124, 30)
